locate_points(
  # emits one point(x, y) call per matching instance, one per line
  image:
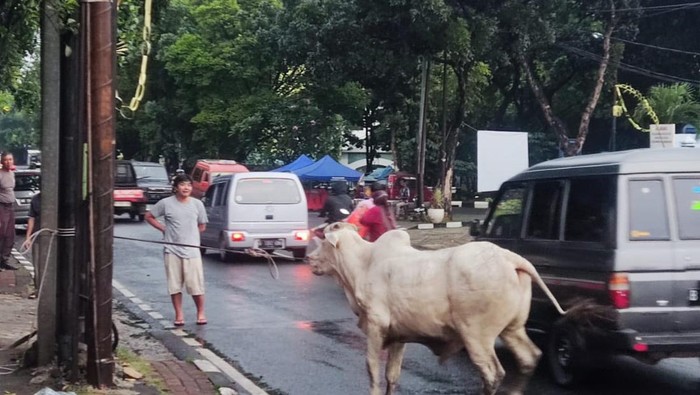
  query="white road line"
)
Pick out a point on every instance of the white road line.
point(212, 361)
point(156, 315)
point(231, 372)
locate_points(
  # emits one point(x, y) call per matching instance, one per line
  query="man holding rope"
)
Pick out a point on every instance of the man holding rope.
point(184, 219)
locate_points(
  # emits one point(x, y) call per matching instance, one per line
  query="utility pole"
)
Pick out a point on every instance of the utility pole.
point(45, 261)
point(99, 32)
point(421, 137)
point(68, 273)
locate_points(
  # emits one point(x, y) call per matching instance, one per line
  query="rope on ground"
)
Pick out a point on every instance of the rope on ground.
point(254, 252)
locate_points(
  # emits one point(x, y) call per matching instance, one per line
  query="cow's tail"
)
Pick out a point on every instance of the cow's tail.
point(527, 267)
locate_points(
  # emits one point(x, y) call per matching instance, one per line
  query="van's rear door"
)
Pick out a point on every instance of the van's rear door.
point(269, 204)
point(686, 199)
point(645, 254)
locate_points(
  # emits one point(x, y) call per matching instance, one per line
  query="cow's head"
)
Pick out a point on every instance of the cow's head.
point(324, 258)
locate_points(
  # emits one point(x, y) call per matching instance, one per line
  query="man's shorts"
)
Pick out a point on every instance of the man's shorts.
point(184, 272)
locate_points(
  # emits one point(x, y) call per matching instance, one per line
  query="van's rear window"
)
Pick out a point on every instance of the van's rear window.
point(648, 218)
point(267, 191)
point(687, 192)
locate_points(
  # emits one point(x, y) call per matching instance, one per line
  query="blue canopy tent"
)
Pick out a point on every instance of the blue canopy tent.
point(298, 163)
point(379, 174)
point(327, 169)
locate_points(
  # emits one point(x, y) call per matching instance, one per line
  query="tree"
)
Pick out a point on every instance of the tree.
point(675, 103)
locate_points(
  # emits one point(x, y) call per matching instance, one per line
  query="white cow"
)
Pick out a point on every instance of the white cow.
point(448, 299)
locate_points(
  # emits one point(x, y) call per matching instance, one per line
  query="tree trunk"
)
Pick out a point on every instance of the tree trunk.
point(571, 147)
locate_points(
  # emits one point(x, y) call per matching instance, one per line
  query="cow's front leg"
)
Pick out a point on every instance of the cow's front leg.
point(393, 366)
point(374, 347)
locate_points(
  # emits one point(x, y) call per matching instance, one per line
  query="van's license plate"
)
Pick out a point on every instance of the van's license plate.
point(693, 295)
point(272, 243)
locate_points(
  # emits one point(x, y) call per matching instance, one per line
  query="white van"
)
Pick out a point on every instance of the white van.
point(265, 210)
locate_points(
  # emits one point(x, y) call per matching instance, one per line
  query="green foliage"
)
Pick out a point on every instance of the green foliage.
point(676, 103)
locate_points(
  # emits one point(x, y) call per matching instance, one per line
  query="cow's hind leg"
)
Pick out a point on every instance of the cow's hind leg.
point(393, 365)
point(374, 347)
point(526, 355)
point(483, 356)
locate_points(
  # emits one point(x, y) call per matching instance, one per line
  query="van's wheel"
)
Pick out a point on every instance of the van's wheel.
point(299, 253)
point(566, 355)
point(132, 216)
point(224, 254)
point(142, 217)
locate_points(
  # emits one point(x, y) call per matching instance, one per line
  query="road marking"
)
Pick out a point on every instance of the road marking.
point(212, 361)
point(231, 372)
point(156, 315)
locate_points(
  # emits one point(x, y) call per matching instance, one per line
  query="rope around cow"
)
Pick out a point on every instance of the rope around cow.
point(253, 252)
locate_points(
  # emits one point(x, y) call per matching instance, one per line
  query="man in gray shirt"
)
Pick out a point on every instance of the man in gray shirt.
point(184, 219)
point(7, 209)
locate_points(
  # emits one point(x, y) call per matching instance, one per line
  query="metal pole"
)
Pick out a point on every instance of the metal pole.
point(420, 139)
point(45, 261)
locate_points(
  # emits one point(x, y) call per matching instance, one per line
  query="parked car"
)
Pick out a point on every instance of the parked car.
point(264, 210)
point(153, 178)
point(205, 170)
point(620, 230)
point(129, 197)
point(27, 184)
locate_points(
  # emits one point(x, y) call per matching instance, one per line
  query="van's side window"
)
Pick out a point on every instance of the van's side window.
point(545, 211)
point(197, 175)
point(687, 191)
point(219, 196)
point(208, 198)
point(648, 219)
point(507, 215)
point(588, 210)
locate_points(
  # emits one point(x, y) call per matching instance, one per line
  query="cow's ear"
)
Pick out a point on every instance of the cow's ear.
point(332, 238)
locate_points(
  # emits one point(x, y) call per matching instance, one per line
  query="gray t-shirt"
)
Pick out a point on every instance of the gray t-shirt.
point(7, 186)
point(181, 221)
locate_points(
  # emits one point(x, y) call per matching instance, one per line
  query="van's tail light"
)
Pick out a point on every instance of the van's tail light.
point(619, 290)
point(237, 236)
point(301, 235)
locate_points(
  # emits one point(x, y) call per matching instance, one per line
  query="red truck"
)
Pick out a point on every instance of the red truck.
point(129, 198)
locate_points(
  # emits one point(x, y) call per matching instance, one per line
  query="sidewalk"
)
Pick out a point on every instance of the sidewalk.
point(150, 370)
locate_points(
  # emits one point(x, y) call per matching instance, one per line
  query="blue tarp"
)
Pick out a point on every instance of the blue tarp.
point(379, 174)
point(298, 163)
point(327, 169)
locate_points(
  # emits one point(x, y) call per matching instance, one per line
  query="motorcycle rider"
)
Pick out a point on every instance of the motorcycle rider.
point(338, 204)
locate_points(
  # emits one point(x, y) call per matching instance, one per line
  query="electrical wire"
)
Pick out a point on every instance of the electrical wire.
point(673, 7)
point(628, 67)
point(657, 47)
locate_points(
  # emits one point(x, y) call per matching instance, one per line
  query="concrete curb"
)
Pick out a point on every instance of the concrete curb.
point(455, 224)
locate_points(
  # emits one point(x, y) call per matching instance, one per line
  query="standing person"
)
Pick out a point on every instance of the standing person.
point(7, 209)
point(34, 219)
point(184, 219)
point(379, 219)
point(404, 197)
point(338, 204)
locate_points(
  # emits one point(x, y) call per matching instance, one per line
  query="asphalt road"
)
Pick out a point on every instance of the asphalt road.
point(297, 335)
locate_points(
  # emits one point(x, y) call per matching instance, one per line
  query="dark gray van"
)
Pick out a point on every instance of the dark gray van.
point(621, 230)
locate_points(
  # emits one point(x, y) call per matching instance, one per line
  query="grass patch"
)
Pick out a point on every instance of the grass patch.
point(125, 356)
